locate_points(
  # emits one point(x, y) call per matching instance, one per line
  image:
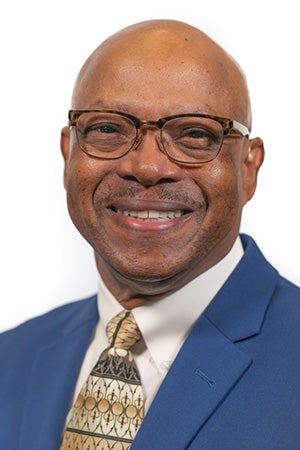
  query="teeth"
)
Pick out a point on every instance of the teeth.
point(142, 214)
point(153, 215)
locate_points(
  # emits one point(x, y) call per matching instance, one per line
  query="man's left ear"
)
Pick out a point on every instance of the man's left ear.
point(252, 163)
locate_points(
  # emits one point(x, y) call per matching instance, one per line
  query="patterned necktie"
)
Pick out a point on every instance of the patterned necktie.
point(110, 407)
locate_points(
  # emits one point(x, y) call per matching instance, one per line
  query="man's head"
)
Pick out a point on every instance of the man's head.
point(154, 70)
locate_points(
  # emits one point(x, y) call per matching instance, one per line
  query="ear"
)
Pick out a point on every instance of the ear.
point(65, 150)
point(252, 163)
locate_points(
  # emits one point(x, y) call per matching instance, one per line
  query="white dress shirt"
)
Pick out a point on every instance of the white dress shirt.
point(164, 324)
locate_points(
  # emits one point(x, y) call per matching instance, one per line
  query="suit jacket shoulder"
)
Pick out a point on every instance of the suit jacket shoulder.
point(37, 358)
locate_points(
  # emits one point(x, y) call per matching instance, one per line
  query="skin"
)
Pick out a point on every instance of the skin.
point(152, 70)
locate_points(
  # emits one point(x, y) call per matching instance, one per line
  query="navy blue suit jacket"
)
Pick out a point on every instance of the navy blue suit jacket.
point(235, 384)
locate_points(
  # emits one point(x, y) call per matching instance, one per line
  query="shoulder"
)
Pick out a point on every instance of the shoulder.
point(286, 301)
point(256, 268)
point(40, 328)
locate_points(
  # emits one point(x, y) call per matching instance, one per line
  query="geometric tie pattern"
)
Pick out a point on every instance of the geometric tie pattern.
point(110, 408)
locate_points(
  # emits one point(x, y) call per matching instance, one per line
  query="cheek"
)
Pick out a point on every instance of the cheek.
point(221, 182)
point(81, 182)
point(78, 204)
point(222, 186)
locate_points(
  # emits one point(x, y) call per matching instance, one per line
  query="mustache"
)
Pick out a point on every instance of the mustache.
point(108, 193)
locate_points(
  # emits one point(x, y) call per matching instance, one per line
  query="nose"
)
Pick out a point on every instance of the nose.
point(148, 164)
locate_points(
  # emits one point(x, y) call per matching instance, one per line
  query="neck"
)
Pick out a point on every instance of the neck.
point(132, 293)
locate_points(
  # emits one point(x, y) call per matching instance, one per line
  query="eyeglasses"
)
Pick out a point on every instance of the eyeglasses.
point(185, 138)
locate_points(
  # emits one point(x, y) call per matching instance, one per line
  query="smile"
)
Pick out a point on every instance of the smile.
point(153, 215)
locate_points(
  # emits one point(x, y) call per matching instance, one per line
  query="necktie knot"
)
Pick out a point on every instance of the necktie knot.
point(122, 331)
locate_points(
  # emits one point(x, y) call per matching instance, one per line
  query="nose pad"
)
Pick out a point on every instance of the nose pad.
point(148, 163)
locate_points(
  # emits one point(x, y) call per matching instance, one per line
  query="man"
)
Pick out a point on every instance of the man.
point(156, 179)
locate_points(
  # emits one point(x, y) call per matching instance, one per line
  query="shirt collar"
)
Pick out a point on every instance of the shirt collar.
point(166, 323)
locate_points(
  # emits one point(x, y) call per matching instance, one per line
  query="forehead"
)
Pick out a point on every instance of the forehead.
point(161, 74)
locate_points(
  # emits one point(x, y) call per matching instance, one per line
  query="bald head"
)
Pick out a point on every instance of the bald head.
point(162, 59)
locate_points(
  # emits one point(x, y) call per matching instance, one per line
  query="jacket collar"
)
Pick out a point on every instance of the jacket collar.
point(239, 308)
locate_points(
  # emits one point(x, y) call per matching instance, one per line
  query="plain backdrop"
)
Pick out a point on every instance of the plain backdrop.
point(44, 261)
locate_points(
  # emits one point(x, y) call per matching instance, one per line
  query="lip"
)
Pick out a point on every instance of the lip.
point(123, 212)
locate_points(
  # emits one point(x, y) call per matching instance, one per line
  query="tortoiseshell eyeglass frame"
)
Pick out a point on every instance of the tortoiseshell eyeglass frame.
point(228, 125)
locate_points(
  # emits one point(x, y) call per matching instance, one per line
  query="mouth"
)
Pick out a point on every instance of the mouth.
point(152, 215)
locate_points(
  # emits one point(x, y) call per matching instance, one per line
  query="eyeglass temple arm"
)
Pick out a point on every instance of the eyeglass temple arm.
point(237, 126)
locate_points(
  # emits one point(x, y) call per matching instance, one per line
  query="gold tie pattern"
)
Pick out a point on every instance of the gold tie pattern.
point(110, 407)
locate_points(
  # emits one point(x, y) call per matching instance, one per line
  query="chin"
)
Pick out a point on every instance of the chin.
point(147, 276)
point(156, 283)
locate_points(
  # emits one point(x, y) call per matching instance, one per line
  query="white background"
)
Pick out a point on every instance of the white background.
point(44, 261)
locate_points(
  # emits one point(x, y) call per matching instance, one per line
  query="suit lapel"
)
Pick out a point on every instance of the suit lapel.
point(54, 372)
point(206, 369)
point(238, 310)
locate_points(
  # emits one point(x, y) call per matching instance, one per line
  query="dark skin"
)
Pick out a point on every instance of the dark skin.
point(152, 70)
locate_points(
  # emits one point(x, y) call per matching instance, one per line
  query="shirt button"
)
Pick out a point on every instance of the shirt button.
point(166, 364)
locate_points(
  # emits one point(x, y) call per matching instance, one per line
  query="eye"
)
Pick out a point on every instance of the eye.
point(196, 133)
point(105, 128)
point(196, 138)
